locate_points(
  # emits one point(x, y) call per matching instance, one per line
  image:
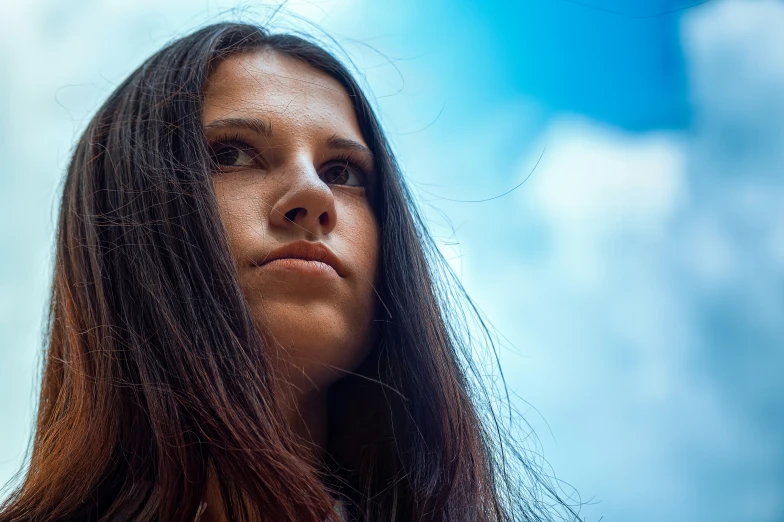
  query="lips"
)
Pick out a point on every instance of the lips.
point(303, 251)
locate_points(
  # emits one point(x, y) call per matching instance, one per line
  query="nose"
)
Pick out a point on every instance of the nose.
point(307, 205)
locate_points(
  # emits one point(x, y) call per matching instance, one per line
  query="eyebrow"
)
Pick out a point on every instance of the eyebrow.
point(250, 123)
point(264, 128)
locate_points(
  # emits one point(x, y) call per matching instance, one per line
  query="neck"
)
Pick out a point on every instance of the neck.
point(308, 420)
point(307, 417)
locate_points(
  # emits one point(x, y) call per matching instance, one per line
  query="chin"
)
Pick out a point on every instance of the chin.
point(314, 345)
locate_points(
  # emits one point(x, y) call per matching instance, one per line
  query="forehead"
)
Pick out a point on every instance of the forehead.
point(279, 89)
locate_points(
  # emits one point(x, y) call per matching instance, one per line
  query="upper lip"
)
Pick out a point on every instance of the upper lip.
point(303, 250)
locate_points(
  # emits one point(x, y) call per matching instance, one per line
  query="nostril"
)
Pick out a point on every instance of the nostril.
point(292, 214)
point(323, 219)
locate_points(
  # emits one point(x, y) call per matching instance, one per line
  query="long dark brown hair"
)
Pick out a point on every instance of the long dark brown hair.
point(155, 377)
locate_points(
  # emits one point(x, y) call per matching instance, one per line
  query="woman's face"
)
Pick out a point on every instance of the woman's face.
point(292, 187)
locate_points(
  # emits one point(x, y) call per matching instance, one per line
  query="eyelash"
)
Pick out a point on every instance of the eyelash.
point(347, 160)
point(232, 140)
point(238, 142)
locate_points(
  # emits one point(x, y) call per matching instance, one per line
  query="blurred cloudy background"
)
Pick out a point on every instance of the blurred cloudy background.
point(637, 275)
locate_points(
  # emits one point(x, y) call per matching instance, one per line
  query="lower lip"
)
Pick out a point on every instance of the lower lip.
point(302, 266)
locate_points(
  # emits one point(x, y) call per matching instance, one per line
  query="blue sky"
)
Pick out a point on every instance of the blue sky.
point(636, 276)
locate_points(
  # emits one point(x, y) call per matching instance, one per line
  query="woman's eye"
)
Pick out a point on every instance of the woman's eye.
point(232, 155)
point(344, 174)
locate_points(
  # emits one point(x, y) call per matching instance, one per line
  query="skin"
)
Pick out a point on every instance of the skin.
point(275, 188)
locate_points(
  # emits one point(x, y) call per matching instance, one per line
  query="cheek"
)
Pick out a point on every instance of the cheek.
point(241, 211)
point(363, 237)
point(364, 243)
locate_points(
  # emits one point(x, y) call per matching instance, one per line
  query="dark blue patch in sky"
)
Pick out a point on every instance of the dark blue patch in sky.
point(612, 60)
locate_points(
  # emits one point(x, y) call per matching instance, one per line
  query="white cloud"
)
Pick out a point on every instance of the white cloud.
point(597, 185)
point(595, 175)
point(651, 325)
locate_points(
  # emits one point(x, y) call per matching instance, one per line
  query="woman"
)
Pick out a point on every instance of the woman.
point(248, 320)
